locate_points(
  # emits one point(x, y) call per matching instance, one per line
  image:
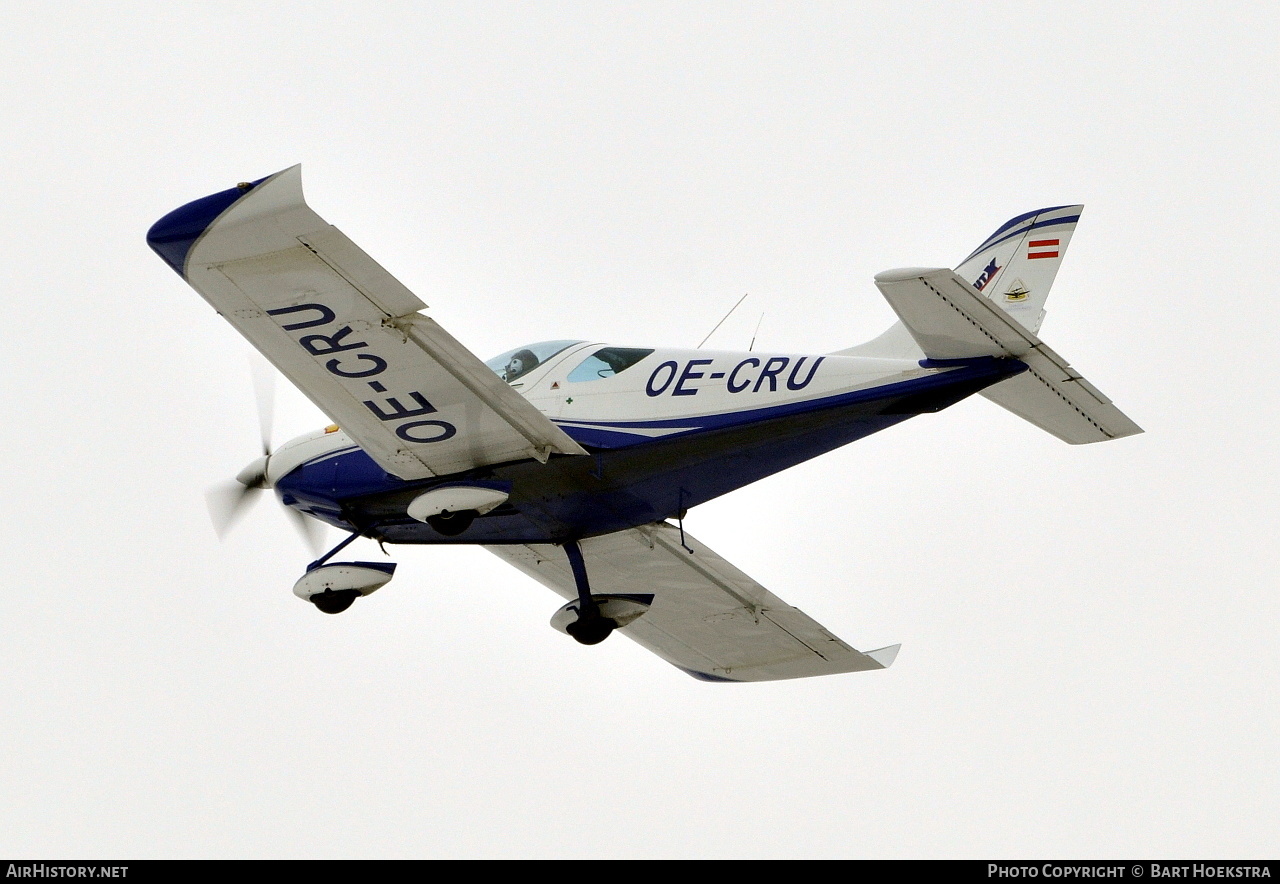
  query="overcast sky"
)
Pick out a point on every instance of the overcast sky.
point(1089, 665)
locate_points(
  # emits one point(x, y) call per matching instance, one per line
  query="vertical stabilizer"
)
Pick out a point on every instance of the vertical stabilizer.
point(1017, 264)
point(1014, 269)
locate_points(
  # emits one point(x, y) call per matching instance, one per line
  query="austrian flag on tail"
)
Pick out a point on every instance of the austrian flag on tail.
point(1042, 248)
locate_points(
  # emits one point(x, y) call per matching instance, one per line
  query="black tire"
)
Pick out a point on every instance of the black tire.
point(335, 601)
point(591, 630)
point(452, 524)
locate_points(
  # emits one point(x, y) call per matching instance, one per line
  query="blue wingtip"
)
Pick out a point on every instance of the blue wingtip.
point(173, 235)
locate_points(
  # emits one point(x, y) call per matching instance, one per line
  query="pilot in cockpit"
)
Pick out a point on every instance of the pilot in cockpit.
point(521, 362)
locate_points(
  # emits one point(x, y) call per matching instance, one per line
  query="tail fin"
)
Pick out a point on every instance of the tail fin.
point(1017, 264)
point(1014, 268)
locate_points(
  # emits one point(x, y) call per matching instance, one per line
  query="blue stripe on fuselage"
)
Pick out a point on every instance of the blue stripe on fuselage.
point(613, 434)
point(628, 484)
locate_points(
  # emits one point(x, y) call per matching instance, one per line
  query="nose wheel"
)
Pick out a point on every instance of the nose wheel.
point(333, 586)
point(333, 601)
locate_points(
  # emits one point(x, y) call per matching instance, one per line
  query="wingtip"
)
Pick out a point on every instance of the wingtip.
point(173, 235)
point(885, 656)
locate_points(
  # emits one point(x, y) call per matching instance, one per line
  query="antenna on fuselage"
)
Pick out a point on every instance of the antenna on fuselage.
point(754, 333)
point(721, 322)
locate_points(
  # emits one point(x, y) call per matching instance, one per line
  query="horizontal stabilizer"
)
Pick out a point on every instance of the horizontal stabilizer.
point(885, 656)
point(950, 320)
point(1053, 396)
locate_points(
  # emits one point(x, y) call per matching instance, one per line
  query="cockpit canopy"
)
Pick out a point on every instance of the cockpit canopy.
point(518, 362)
point(603, 363)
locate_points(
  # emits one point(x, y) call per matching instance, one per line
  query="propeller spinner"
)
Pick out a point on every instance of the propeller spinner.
point(229, 501)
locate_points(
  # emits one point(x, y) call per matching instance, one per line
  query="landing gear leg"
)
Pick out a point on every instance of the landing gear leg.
point(591, 627)
point(347, 541)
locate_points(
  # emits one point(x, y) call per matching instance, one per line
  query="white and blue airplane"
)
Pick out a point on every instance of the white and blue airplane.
point(570, 459)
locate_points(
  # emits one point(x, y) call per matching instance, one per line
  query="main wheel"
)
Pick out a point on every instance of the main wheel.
point(452, 524)
point(335, 601)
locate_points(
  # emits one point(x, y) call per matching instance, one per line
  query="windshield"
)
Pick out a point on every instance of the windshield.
point(522, 360)
point(606, 363)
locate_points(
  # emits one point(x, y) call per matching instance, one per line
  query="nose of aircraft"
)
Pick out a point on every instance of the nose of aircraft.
point(255, 474)
point(229, 501)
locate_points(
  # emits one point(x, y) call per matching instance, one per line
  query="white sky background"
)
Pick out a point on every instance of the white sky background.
point(1089, 665)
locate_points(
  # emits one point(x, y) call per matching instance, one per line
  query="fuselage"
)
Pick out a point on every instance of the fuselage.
point(665, 429)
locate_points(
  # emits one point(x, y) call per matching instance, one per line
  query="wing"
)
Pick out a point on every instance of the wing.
point(707, 617)
point(349, 335)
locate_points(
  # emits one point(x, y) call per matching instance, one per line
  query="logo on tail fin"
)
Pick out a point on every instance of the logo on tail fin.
point(988, 274)
point(1017, 292)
